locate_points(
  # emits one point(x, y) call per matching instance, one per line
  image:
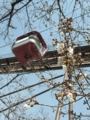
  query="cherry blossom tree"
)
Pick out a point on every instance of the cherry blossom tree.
point(64, 26)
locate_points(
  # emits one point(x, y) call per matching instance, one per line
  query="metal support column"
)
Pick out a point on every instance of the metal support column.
point(70, 104)
point(60, 104)
point(59, 110)
point(70, 111)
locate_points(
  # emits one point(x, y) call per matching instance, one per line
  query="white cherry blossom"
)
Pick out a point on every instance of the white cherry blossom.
point(70, 51)
point(70, 97)
point(88, 39)
point(26, 105)
point(60, 48)
point(60, 60)
point(64, 68)
point(82, 76)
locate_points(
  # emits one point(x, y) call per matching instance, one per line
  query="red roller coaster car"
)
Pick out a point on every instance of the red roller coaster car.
point(28, 47)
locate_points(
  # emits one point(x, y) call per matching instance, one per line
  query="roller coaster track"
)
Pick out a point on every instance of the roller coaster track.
point(49, 62)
